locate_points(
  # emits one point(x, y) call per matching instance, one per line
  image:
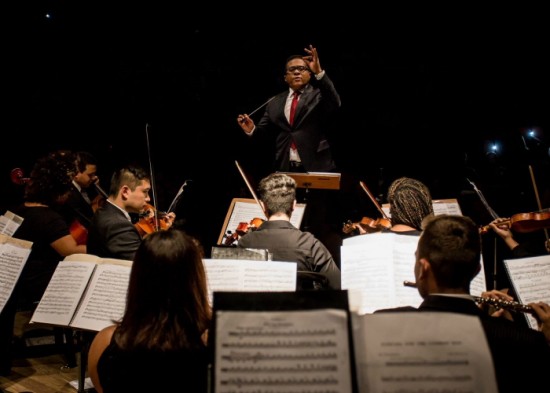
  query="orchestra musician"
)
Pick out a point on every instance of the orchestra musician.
point(48, 186)
point(517, 249)
point(410, 202)
point(447, 258)
point(159, 344)
point(83, 198)
point(277, 194)
point(112, 234)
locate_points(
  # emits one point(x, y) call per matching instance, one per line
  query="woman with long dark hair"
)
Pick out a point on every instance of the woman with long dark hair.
point(160, 342)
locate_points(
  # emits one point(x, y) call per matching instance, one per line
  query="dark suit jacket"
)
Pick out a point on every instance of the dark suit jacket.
point(111, 235)
point(76, 207)
point(316, 103)
point(287, 243)
point(521, 355)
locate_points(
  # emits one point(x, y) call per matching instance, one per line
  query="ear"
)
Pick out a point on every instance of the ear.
point(124, 191)
point(425, 269)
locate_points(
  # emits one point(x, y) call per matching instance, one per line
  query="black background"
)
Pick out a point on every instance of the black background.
point(424, 93)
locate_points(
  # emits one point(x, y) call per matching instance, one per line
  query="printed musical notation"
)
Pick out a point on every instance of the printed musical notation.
point(256, 352)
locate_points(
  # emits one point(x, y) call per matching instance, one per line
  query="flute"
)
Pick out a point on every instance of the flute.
point(509, 305)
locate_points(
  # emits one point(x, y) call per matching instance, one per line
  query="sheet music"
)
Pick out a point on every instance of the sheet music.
point(59, 302)
point(440, 206)
point(246, 211)
point(9, 222)
point(290, 351)
point(422, 352)
point(13, 256)
point(374, 267)
point(530, 278)
point(105, 300)
point(245, 276)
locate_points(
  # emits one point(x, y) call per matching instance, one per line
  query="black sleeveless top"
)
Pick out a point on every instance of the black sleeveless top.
point(148, 371)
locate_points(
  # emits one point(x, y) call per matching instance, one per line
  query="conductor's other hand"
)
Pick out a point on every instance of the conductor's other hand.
point(246, 123)
point(312, 60)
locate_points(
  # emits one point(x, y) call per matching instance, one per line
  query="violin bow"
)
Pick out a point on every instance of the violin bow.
point(178, 195)
point(249, 186)
point(483, 200)
point(153, 186)
point(373, 199)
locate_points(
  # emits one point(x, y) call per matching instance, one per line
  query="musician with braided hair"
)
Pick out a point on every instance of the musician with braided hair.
point(410, 202)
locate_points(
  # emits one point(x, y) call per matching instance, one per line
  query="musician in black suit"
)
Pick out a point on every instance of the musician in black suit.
point(112, 234)
point(300, 143)
point(447, 259)
point(79, 200)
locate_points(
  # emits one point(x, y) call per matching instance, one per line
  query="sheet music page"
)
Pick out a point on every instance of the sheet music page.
point(531, 280)
point(246, 211)
point(290, 351)
point(241, 275)
point(374, 267)
point(440, 206)
point(9, 222)
point(422, 352)
point(105, 299)
point(13, 256)
point(61, 298)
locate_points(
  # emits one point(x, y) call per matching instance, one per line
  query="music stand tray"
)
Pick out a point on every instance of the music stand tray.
point(316, 180)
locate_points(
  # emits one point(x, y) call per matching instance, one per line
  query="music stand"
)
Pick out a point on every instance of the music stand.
point(317, 180)
point(314, 180)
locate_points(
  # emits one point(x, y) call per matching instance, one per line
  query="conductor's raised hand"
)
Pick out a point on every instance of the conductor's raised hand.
point(246, 123)
point(312, 60)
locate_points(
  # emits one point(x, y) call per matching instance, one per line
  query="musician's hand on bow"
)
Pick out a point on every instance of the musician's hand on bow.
point(169, 219)
point(246, 123)
point(542, 314)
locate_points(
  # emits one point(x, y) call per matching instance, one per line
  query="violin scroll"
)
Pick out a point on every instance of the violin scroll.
point(17, 177)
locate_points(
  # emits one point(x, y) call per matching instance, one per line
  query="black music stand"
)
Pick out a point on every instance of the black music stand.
point(317, 180)
point(314, 180)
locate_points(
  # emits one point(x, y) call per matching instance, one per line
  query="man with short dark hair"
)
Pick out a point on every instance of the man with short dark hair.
point(277, 194)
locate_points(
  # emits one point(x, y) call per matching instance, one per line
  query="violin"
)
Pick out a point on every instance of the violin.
point(151, 220)
point(242, 229)
point(367, 225)
point(524, 222)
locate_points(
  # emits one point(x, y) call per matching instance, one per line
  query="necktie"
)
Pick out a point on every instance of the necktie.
point(86, 197)
point(293, 106)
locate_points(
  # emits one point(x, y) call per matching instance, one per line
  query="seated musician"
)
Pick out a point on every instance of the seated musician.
point(447, 258)
point(112, 233)
point(277, 194)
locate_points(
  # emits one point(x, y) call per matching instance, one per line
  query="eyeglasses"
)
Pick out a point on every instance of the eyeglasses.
point(297, 68)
